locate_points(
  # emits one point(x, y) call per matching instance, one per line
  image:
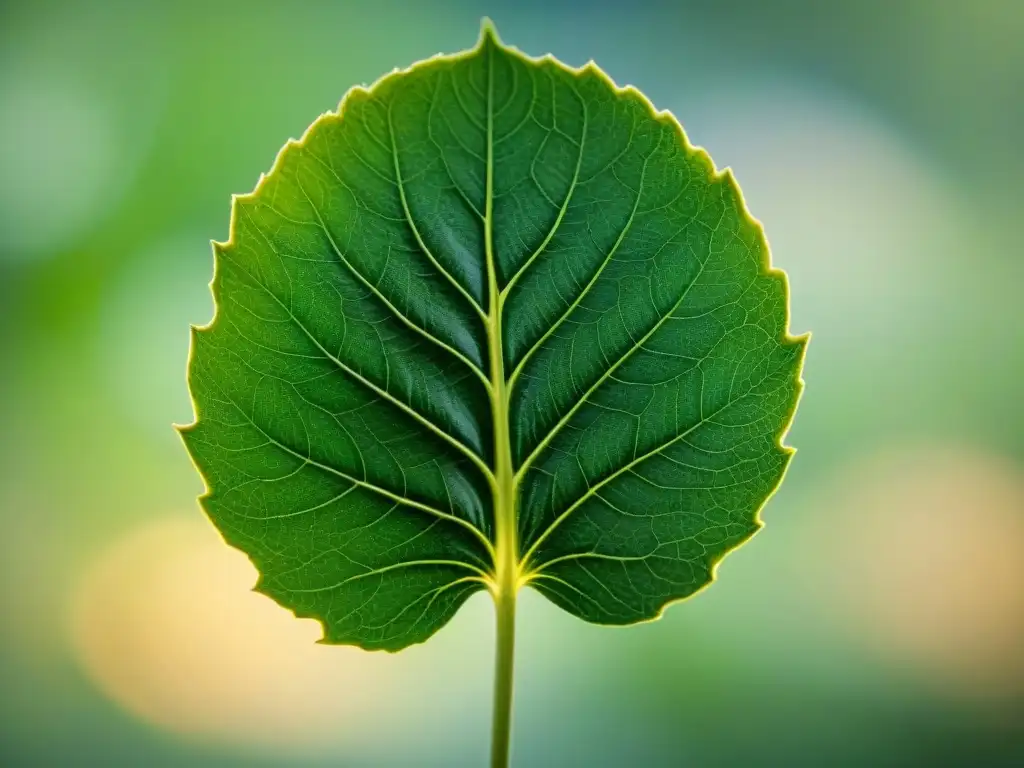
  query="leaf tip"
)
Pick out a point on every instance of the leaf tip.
point(488, 33)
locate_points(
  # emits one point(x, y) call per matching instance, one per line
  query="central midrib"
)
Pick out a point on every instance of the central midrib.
point(506, 566)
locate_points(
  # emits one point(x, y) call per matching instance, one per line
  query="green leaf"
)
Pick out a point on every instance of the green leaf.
point(494, 323)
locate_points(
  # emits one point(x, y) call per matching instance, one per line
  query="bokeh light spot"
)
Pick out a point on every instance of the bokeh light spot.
point(165, 623)
point(921, 558)
point(861, 223)
point(143, 335)
point(57, 151)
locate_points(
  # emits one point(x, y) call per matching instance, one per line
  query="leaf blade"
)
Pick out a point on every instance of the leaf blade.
point(644, 344)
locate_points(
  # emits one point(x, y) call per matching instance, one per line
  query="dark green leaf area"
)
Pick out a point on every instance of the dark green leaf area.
point(344, 391)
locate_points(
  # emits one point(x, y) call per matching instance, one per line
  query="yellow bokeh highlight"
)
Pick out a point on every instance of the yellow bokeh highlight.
point(165, 624)
point(919, 554)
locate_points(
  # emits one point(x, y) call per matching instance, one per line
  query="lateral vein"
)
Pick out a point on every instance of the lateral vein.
point(415, 230)
point(382, 393)
point(364, 483)
point(399, 315)
point(590, 283)
point(593, 489)
point(395, 566)
point(561, 213)
point(581, 401)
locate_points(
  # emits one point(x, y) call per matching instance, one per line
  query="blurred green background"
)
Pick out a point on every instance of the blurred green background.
point(879, 618)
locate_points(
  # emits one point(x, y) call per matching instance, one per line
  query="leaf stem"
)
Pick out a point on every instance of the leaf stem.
point(501, 729)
